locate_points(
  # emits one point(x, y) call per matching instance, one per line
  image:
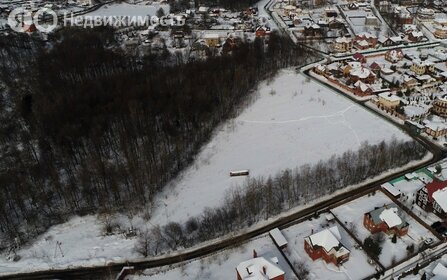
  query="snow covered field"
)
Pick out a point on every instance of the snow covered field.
point(293, 121)
point(356, 267)
point(125, 9)
point(221, 265)
point(82, 244)
point(353, 212)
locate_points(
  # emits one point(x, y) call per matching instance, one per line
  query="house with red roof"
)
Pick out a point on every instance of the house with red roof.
point(433, 198)
point(359, 57)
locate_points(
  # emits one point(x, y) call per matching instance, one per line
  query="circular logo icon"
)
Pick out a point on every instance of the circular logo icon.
point(20, 20)
point(45, 27)
point(23, 20)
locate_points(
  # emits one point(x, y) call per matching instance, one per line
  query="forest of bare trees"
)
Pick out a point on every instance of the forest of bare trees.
point(85, 127)
point(262, 198)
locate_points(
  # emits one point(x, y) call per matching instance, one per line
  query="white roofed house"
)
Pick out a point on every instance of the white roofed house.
point(387, 219)
point(327, 246)
point(389, 100)
point(440, 202)
point(211, 39)
point(259, 268)
point(342, 44)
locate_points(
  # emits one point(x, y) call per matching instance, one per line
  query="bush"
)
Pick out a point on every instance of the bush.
point(372, 247)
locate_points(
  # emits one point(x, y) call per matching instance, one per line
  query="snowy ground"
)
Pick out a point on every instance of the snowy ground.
point(125, 9)
point(353, 212)
point(221, 265)
point(356, 267)
point(293, 121)
point(82, 243)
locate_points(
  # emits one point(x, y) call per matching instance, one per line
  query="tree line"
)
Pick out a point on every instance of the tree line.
point(87, 127)
point(262, 198)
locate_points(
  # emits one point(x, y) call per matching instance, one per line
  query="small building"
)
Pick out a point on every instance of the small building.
point(278, 238)
point(259, 268)
point(211, 39)
point(387, 219)
point(414, 126)
point(391, 189)
point(326, 245)
point(388, 100)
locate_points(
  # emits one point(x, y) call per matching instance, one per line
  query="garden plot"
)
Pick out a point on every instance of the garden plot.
point(221, 265)
point(357, 267)
point(352, 213)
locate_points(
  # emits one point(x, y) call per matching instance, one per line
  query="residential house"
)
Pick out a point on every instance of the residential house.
point(388, 100)
point(416, 36)
point(420, 67)
point(375, 67)
point(440, 31)
point(435, 130)
point(361, 74)
point(387, 219)
point(211, 39)
point(433, 198)
point(362, 88)
point(394, 55)
point(342, 44)
point(359, 57)
point(440, 106)
point(312, 30)
point(368, 37)
point(262, 31)
point(259, 268)
point(327, 246)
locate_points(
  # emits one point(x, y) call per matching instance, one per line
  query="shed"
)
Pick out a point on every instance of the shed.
point(278, 238)
point(391, 189)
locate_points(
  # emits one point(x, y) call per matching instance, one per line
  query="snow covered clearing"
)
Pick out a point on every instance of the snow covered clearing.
point(293, 121)
point(125, 9)
point(221, 265)
point(357, 267)
point(78, 242)
point(352, 212)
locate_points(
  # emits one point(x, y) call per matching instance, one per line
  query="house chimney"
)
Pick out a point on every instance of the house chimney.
point(264, 269)
point(255, 254)
point(248, 271)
